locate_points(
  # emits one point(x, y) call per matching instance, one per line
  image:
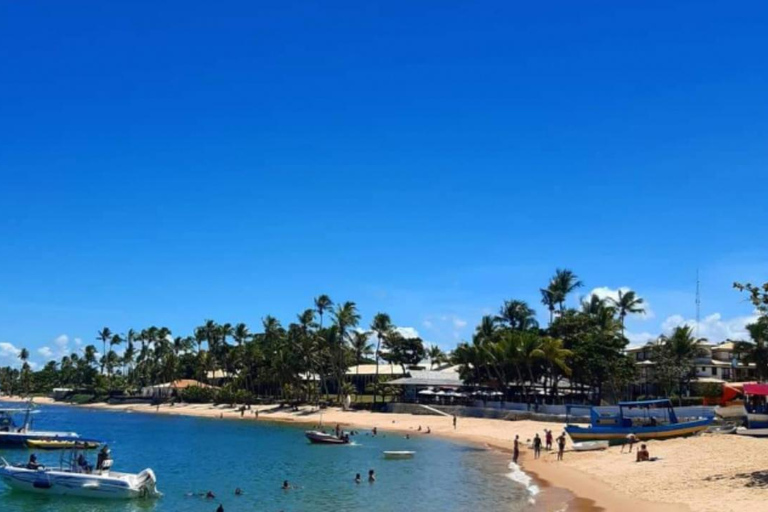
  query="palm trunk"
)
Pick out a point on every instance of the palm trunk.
point(376, 381)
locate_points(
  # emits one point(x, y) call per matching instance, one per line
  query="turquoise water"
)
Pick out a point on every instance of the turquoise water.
point(193, 455)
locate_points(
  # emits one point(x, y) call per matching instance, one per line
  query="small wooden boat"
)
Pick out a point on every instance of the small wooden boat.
point(588, 446)
point(317, 437)
point(615, 428)
point(55, 444)
point(401, 454)
point(722, 429)
point(752, 432)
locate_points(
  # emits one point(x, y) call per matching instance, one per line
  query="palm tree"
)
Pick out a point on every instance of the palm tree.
point(518, 315)
point(627, 303)
point(487, 330)
point(549, 299)
point(382, 326)
point(675, 356)
point(555, 358)
point(104, 336)
point(563, 283)
point(360, 347)
point(322, 304)
point(345, 317)
point(436, 356)
point(240, 334)
point(756, 351)
point(24, 356)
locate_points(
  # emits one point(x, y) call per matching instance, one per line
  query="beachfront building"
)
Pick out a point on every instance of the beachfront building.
point(362, 375)
point(171, 389)
point(719, 363)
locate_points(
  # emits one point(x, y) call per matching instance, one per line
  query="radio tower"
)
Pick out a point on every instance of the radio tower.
point(698, 304)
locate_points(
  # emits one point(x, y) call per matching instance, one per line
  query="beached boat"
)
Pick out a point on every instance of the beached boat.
point(317, 437)
point(588, 446)
point(721, 429)
point(752, 432)
point(615, 427)
point(756, 405)
point(13, 434)
point(401, 454)
point(55, 444)
point(70, 479)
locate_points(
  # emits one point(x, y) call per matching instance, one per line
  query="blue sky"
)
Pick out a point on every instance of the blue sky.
point(164, 163)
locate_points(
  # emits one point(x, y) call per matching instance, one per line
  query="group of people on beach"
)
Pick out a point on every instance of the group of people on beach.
point(548, 439)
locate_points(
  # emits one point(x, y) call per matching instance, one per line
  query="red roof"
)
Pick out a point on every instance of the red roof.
point(756, 389)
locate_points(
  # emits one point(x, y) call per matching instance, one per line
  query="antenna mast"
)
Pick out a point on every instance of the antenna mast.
point(698, 304)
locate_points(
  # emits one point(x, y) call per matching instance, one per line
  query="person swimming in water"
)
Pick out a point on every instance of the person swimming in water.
point(357, 478)
point(209, 495)
point(286, 485)
point(238, 491)
point(371, 476)
point(221, 508)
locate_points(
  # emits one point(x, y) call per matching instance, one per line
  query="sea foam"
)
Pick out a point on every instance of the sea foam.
point(516, 474)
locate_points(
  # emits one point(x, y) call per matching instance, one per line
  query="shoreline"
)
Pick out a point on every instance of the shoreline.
point(562, 487)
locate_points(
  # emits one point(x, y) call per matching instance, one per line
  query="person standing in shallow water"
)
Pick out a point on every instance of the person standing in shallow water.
point(536, 447)
point(560, 446)
point(516, 449)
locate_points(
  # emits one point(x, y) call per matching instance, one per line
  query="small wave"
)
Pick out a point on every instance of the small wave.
point(518, 475)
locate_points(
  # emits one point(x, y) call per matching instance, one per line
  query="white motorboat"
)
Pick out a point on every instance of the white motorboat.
point(753, 432)
point(16, 435)
point(588, 446)
point(317, 437)
point(70, 479)
point(398, 454)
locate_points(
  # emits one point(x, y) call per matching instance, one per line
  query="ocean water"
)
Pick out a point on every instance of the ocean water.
point(193, 455)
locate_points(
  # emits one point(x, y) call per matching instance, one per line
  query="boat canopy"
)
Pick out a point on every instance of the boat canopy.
point(661, 402)
point(756, 389)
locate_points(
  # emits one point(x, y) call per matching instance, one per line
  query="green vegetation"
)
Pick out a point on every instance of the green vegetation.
point(308, 360)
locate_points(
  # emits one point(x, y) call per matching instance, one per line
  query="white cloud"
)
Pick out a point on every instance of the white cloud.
point(604, 293)
point(78, 341)
point(713, 327)
point(45, 352)
point(62, 340)
point(427, 324)
point(638, 339)
point(8, 350)
point(458, 323)
point(408, 332)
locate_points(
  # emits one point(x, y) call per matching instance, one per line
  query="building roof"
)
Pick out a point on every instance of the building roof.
point(430, 378)
point(728, 345)
point(370, 369)
point(181, 384)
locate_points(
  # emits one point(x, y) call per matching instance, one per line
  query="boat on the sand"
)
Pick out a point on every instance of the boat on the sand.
point(752, 432)
point(588, 446)
point(616, 427)
point(317, 437)
point(399, 454)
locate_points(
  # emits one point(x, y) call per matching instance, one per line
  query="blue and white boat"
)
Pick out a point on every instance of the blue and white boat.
point(70, 478)
point(13, 434)
point(615, 427)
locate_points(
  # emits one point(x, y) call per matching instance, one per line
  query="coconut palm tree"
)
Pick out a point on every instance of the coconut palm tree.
point(345, 317)
point(487, 330)
point(382, 326)
point(360, 347)
point(240, 334)
point(549, 299)
point(555, 358)
point(518, 315)
point(675, 355)
point(104, 336)
point(436, 356)
point(562, 284)
point(627, 303)
point(322, 304)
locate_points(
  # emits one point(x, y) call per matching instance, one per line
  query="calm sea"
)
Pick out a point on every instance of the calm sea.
point(193, 455)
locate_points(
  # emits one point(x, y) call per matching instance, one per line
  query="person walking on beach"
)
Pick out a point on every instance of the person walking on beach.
point(536, 447)
point(560, 446)
point(548, 437)
point(516, 449)
point(454, 422)
point(631, 440)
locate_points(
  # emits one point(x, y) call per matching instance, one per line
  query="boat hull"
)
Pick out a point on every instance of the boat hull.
point(63, 483)
point(757, 421)
point(399, 454)
point(752, 432)
point(20, 439)
point(322, 438)
point(618, 435)
point(588, 446)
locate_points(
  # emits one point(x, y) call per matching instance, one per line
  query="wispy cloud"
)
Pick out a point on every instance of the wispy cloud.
point(605, 292)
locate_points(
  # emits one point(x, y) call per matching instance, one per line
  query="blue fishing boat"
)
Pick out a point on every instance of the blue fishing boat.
point(13, 434)
point(615, 427)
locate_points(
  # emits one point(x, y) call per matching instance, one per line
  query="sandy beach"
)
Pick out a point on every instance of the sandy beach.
point(708, 473)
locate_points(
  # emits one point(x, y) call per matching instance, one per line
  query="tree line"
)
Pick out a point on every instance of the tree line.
point(310, 357)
